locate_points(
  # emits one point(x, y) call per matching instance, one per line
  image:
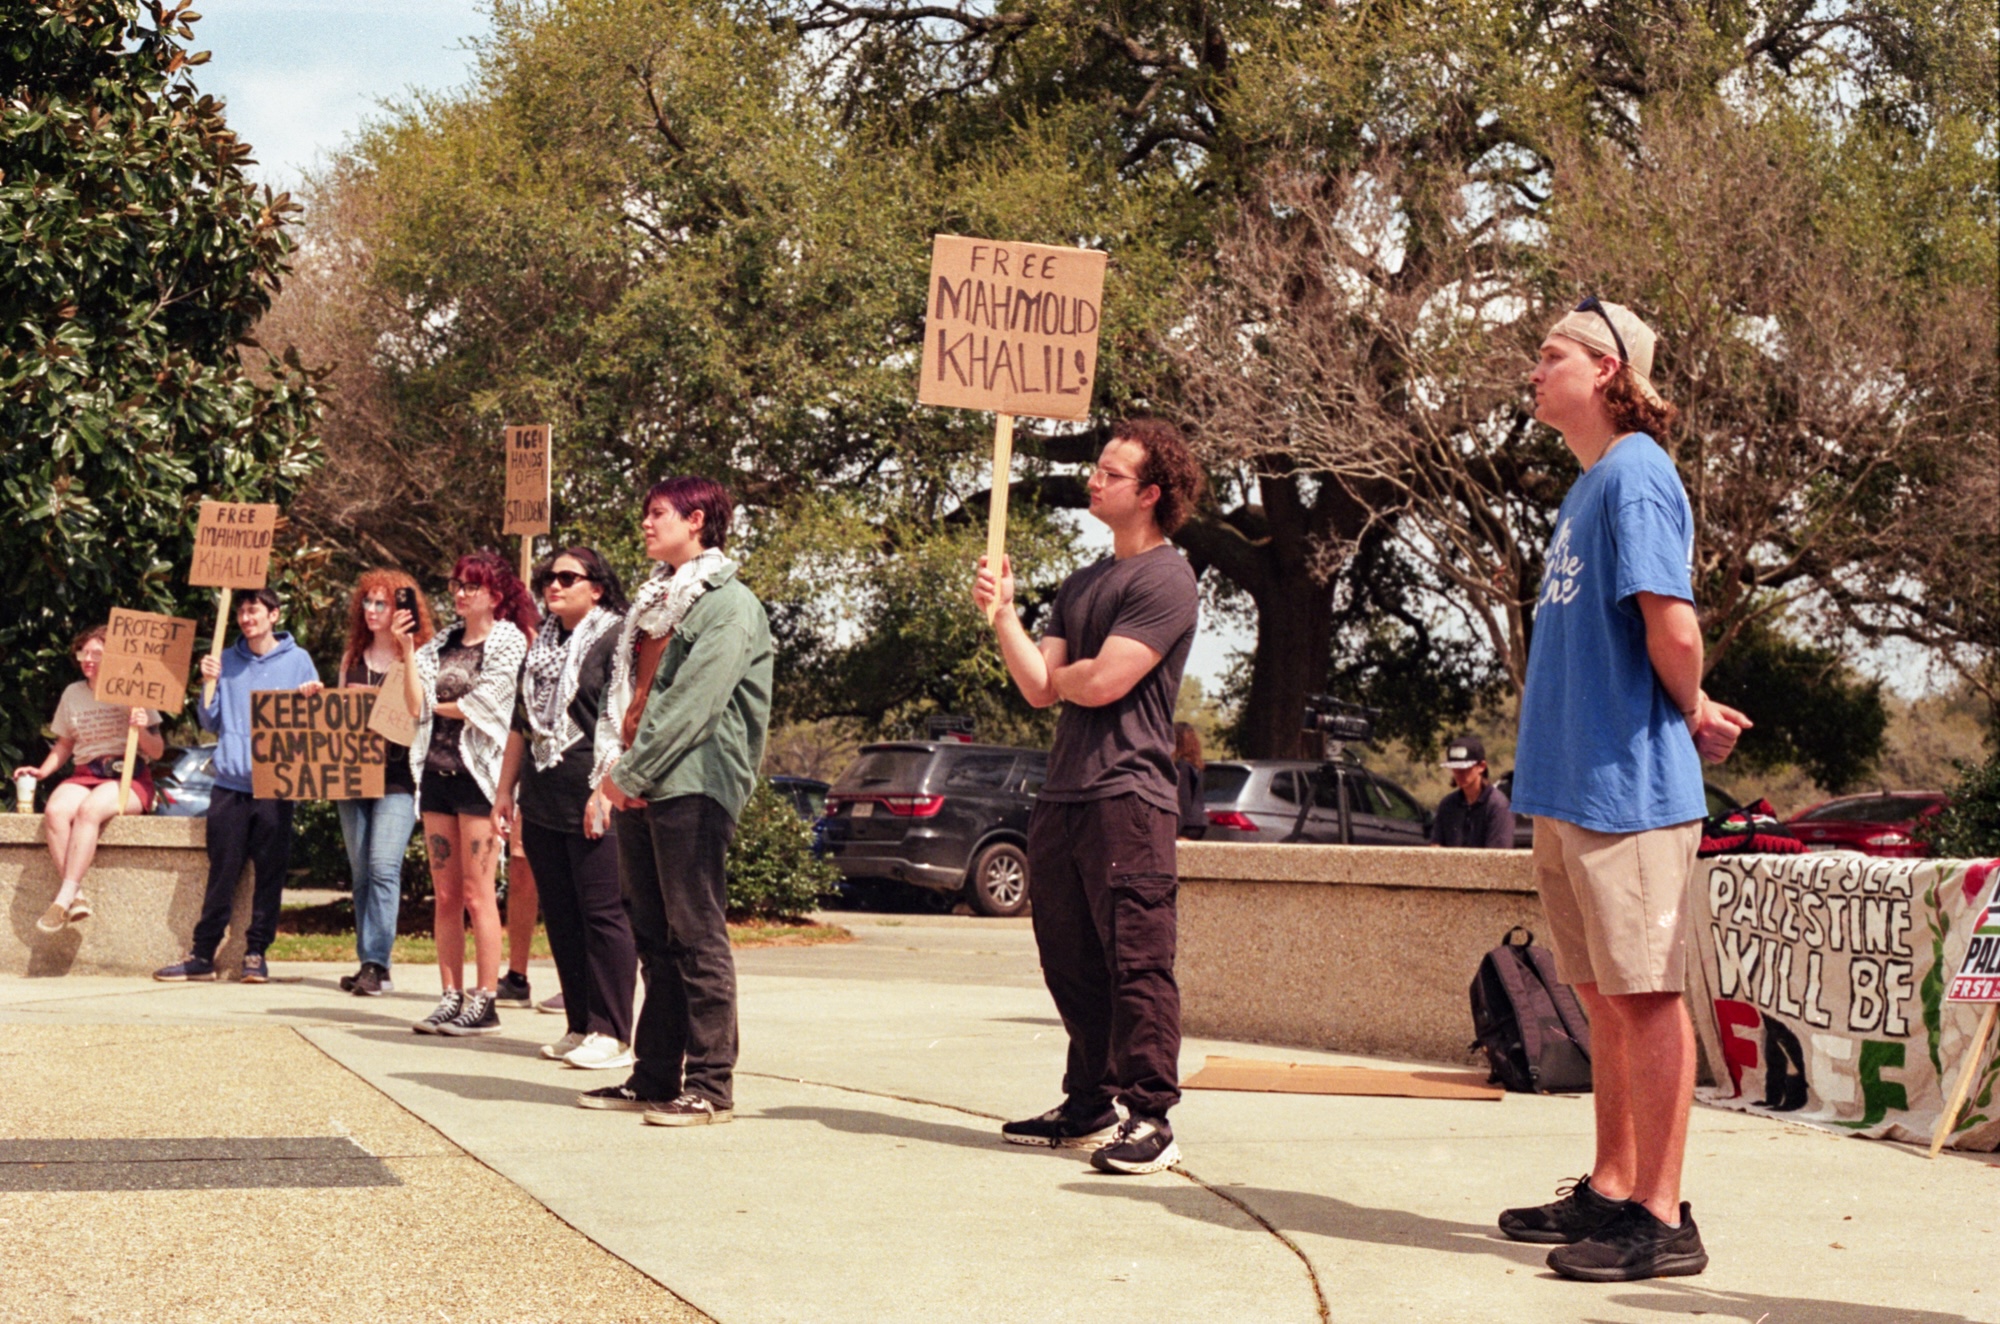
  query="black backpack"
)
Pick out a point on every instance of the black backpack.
point(1529, 1023)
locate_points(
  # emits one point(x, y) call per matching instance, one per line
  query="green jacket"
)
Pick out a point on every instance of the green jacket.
point(710, 706)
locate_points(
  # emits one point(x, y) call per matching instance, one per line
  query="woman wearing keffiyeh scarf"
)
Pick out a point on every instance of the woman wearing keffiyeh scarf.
point(546, 775)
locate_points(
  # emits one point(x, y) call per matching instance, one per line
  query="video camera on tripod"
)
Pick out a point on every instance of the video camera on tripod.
point(1338, 724)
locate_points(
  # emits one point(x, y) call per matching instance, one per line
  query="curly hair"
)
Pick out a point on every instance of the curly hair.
point(386, 581)
point(1168, 465)
point(1631, 411)
point(94, 632)
point(489, 570)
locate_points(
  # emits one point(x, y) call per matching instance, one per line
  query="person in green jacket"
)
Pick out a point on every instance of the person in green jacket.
point(678, 744)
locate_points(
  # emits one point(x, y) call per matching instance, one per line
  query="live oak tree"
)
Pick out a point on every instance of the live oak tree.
point(138, 258)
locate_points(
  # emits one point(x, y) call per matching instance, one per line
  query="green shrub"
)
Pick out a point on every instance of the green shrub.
point(319, 852)
point(773, 873)
point(1970, 828)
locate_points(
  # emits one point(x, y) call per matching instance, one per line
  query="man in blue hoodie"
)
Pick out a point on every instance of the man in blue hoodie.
point(241, 828)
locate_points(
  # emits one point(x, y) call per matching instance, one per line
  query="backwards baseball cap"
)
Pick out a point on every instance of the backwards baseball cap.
point(1614, 330)
point(1464, 752)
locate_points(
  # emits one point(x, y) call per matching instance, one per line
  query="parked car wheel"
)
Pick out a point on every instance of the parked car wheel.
point(999, 885)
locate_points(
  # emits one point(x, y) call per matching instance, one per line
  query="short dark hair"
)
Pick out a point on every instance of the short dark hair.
point(689, 493)
point(594, 565)
point(264, 595)
point(1168, 465)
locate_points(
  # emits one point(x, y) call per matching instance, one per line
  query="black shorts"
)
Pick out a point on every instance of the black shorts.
point(452, 795)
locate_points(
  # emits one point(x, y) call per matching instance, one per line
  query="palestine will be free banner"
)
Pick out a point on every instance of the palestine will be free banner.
point(1824, 978)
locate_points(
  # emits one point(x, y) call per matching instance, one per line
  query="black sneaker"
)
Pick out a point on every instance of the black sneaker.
point(688, 1110)
point(1059, 1128)
point(448, 1006)
point(255, 971)
point(616, 1098)
point(477, 1016)
point(1579, 1212)
point(1142, 1145)
point(512, 991)
point(193, 969)
point(1633, 1245)
point(372, 982)
point(347, 982)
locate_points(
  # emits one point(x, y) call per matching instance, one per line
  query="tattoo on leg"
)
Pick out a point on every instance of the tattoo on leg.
point(440, 848)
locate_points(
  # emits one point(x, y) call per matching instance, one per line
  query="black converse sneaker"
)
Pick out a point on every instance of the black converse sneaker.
point(1634, 1244)
point(448, 1006)
point(1142, 1145)
point(477, 1016)
point(1059, 1128)
point(373, 981)
point(688, 1110)
point(616, 1098)
point(1579, 1212)
point(512, 991)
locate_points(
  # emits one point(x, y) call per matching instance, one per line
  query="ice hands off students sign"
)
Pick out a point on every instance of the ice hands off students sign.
point(527, 509)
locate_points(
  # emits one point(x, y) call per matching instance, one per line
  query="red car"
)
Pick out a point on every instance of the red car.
point(1891, 823)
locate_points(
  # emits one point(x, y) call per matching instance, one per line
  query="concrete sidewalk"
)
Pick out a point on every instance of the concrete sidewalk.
point(864, 1179)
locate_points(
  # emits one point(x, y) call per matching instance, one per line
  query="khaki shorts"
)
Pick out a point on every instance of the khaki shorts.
point(1617, 903)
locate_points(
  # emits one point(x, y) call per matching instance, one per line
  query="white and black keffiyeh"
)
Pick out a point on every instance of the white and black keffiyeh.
point(658, 608)
point(549, 681)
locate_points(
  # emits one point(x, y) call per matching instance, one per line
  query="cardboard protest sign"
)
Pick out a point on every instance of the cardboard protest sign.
point(232, 544)
point(391, 717)
point(1012, 328)
point(527, 509)
point(314, 746)
point(146, 659)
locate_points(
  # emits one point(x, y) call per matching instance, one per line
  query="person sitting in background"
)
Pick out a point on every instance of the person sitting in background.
point(93, 734)
point(1188, 767)
point(1476, 813)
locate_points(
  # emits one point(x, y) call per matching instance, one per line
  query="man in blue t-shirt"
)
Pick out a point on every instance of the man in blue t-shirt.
point(1614, 725)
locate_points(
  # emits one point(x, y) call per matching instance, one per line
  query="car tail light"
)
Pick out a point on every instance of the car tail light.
point(913, 806)
point(1888, 839)
point(1234, 819)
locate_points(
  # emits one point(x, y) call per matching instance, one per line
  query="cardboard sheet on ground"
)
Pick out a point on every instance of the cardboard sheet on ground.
point(527, 509)
point(146, 659)
point(1012, 328)
point(314, 746)
point(232, 544)
point(1254, 1075)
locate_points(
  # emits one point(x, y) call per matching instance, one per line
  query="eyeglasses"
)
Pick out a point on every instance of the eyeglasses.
point(460, 586)
point(1591, 304)
point(570, 578)
point(375, 604)
point(1100, 474)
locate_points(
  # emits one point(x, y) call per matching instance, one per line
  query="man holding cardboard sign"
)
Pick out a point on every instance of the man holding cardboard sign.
point(1101, 838)
point(242, 828)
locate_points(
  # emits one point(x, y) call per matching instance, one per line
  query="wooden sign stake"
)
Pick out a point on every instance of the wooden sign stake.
point(131, 757)
point(527, 555)
point(215, 649)
point(1973, 1057)
point(996, 511)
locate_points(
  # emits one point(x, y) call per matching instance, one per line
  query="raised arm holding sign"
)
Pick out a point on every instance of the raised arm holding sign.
point(232, 550)
point(145, 665)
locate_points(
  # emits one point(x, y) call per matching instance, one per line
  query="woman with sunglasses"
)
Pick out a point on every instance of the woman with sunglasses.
point(377, 832)
point(545, 785)
point(462, 687)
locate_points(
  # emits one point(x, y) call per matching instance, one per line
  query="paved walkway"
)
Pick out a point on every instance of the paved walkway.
point(863, 1180)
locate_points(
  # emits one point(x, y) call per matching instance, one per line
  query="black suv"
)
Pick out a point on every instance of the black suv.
point(945, 816)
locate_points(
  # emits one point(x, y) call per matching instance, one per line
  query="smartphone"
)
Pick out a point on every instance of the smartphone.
point(406, 600)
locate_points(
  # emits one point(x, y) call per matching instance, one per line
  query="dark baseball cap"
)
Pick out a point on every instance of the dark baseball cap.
point(1464, 752)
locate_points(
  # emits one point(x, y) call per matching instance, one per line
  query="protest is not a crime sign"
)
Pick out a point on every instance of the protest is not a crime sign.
point(314, 746)
point(527, 509)
point(1012, 328)
point(146, 659)
point(232, 544)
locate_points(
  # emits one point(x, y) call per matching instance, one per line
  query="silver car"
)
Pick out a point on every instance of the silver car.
point(1258, 800)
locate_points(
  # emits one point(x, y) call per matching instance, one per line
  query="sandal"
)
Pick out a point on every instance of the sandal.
point(52, 919)
point(78, 909)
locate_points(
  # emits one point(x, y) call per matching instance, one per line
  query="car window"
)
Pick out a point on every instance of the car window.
point(815, 800)
point(1719, 805)
point(1222, 782)
point(1324, 796)
point(1033, 772)
point(1869, 809)
point(979, 772)
point(1284, 788)
point(1391, 802)
point(902, 769)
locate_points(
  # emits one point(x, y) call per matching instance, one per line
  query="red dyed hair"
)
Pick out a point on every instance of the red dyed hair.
point(490, 571)
point(359, 636)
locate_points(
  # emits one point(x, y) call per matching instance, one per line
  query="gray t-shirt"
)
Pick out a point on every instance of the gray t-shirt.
point(1127, 747)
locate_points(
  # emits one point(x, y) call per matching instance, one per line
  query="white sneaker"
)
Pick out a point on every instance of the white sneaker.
point(562, 1047)
point(599, 1052)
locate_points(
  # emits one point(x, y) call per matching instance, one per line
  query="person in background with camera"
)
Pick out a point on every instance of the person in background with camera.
point(377, 832)
point(1614, 726)
point(1188, 767)
point(545, 786)
point(241, 828)
point(93, 734)
point(1476, 812)
point(462, 686)
point(1101, 837)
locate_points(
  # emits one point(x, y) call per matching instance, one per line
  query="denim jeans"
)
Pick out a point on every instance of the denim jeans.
point(377, 833)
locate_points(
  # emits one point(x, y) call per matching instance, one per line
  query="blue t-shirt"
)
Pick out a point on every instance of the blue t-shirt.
point(1601, 744)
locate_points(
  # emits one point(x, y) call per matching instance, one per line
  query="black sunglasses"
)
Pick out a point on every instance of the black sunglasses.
point(1591, 304)
point(570, 578)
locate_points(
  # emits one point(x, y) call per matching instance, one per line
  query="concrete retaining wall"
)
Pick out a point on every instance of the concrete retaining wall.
point(1361, 949)
point(146, 889)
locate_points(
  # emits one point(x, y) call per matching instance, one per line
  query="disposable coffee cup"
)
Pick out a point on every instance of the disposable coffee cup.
point(24, 793)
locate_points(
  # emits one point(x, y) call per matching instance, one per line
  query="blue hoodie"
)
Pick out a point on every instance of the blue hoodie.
point(285, 667)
